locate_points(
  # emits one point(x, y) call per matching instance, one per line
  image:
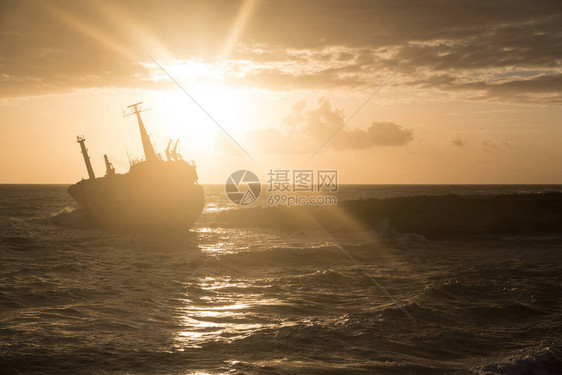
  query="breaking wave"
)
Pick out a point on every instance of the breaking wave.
point(70, 217)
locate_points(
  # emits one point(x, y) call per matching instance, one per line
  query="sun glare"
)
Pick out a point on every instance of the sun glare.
point(192, 122)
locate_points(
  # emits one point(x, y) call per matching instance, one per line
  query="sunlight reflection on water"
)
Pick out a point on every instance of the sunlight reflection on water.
point(215, 317)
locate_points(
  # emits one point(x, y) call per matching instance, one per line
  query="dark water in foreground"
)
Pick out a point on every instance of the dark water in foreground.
point(219, 300)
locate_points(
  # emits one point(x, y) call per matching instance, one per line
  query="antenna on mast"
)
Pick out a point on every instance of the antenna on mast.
point(129, 157)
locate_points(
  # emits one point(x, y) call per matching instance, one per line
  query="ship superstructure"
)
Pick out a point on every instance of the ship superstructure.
point(156, 193)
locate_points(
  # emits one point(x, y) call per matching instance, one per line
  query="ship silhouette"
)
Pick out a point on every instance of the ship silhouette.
point(155, 194)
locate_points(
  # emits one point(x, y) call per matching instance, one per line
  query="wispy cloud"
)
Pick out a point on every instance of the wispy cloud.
point(305, 127)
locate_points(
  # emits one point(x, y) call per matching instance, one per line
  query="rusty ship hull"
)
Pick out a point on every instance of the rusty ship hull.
point(151, 197)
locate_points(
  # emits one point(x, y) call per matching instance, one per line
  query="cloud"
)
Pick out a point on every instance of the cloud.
point(459, 142)
point(306, 129)
point(538, 89)
point(377, 134)
point(495, 51)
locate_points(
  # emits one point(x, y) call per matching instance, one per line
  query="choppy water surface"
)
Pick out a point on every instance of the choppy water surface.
point(219, 300)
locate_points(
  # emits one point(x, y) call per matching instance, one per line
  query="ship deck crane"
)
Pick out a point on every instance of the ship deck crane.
point(109, 170)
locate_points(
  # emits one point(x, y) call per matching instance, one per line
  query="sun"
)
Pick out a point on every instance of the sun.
point(198, 105)
point(196, 125)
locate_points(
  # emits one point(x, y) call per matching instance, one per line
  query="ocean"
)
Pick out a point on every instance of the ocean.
point(222, 299)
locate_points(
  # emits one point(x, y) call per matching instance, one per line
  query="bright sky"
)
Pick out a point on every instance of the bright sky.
point(478, 101)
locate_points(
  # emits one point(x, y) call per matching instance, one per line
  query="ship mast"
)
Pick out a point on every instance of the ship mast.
point(149, 153)
point(81, 140)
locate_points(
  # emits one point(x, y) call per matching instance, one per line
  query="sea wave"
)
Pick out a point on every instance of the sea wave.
point(542, 360)
point(70, 217)
point(285, 256)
